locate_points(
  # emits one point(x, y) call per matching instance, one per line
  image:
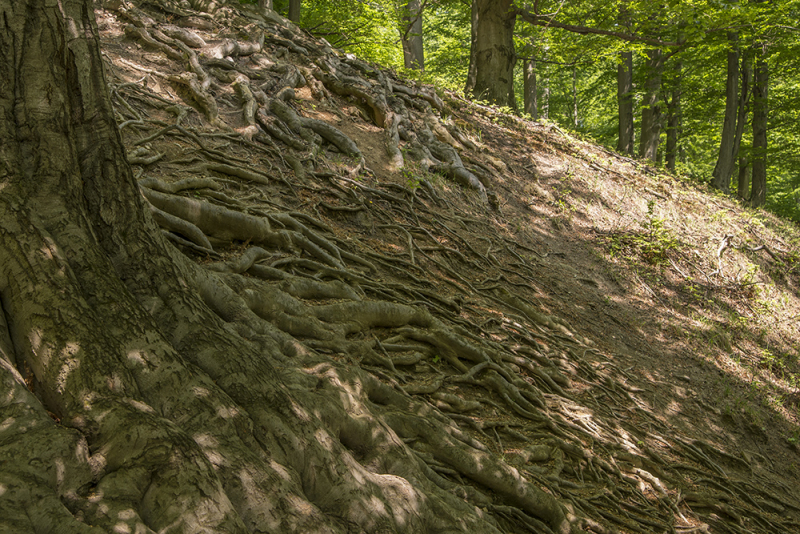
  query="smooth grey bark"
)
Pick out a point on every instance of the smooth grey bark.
point(674, 120)
point(469, 85)
point(494, 53)
point(575, 97)
point(758, 194)
point(530, 96)
point(625, 141)
point(411, 35)
point(721, 177)
point(546, 99)
point(743, 179)
point(745, 96)
point(294, 11)
point(265, 4)
point(673, 129)
point(651, 108)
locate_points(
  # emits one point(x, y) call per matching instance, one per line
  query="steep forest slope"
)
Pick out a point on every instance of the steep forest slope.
point(476, 323)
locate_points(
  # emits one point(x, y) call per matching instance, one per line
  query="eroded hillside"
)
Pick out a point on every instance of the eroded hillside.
point(522, 330)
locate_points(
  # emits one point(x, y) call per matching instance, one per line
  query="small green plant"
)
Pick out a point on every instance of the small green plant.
point(657, 240)
point(412, 179)
point(652, 244)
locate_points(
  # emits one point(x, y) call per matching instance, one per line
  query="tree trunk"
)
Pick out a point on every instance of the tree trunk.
point(531, 104)
point(71, 218)
point(494, 51)
point(743, 190)
point(575, 97)
point(265, 4)
point(758, 195)
point(625, 102)
point(674, 119)
point(727, 157)
point(741, 121)
point(651, 108)
point(469, 86)
point(411, 35)
point(294, 11)
point(546, 99)
point(673, 128)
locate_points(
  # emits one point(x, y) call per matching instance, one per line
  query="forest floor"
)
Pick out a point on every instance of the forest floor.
point(670, 311)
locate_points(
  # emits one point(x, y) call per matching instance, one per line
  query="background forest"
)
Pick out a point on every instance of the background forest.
point(706, 88)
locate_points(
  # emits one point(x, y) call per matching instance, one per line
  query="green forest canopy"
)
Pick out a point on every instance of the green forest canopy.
point(576, 68)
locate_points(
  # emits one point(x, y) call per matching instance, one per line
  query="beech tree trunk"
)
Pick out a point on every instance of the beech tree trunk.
point(651, 108)
point(727, 156)
point(71, 218)
point(743, 185)
point(575, 97)
point(469, 85)
point(674, 119)
point(294, 11)
point(411, 35)
point(265, 4)
point(743, 190)
point(546, 99)
point(673, 129)
point(493, 52)
point(758, 194)
point(625, 102)
point(530, 104)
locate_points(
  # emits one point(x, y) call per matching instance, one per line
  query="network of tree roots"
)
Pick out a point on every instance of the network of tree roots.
point(375, 360)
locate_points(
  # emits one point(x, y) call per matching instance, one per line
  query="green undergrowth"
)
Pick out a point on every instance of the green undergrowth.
point(651, 244)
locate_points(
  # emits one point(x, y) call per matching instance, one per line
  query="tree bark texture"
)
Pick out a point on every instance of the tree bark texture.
point(745, 98)
point(546, 99)
point(411, 35)
point(727, 157)
point(625, 143)
point(674, 119)
point(758, 194)
point(294, 11)
point(71, 215)
point(651, 108)
point(575, 97)
point(744, 177)
point(469, 85)
point(494, 51)
point(530, 104)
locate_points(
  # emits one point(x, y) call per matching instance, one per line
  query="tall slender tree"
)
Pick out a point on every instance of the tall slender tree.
point(411, 34)
point(651, 107)
point(745, 97)
point(758, 194)
point(625, 141)
point(727, 156)
point(674, 117)
point(530, 90)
